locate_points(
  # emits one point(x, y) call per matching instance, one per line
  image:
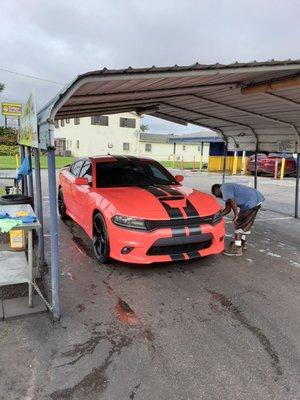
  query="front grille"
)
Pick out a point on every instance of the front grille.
point(178, 249)
point(178, 222)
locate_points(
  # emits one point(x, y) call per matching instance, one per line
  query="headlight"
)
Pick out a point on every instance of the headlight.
point(216, 218)
point(129, 222)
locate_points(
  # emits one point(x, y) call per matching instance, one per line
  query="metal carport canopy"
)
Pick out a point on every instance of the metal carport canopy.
point(255, 104)
point(252, 105)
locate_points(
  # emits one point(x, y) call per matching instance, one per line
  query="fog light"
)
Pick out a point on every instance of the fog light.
point(127, 250)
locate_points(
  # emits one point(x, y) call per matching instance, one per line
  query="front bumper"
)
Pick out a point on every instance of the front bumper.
point(166, 244)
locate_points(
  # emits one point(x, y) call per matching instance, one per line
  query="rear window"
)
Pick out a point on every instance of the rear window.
point(124, 172)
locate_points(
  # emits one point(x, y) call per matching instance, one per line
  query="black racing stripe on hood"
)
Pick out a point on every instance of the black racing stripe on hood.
point(155, 191)
point(170, 190)
point(173, 212)
point(158, 193)
point(190, 210)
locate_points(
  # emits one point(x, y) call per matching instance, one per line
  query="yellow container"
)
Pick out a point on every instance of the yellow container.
point(17, 239)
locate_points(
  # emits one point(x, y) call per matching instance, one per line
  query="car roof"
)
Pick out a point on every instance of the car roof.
point(114, 157)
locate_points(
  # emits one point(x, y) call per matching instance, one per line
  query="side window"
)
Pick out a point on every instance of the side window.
point(86, 171)
point(76, 167)
point(99, 120)
point(127, 122)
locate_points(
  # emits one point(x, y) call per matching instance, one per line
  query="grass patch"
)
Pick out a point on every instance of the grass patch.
point(9, 162)
point(179, 165)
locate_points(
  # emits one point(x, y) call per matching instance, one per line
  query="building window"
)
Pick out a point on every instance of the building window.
point(77, 144)
point(76, 121)
point(148, 147)
point(56, 124)
point(183, 147)
point(99, 120)
point(125, 146)
point(127, 122)
point(67, 120)
point(62, 122)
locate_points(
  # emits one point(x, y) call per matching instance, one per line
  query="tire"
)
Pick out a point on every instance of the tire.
point(100, 239)
point(61, 206)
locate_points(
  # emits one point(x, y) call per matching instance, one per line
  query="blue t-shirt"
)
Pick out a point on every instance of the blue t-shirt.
point(245, 197)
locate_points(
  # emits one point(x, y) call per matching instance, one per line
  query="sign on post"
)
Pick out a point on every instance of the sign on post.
point(11, 109)
point(28, 133)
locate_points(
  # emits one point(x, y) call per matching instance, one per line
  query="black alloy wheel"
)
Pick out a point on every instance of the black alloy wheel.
point(100, 239)
point(61, 206)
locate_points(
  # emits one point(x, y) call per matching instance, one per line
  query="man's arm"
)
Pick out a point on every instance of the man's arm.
point(231, 205)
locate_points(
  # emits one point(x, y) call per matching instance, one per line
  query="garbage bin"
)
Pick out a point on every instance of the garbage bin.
point(9, 199)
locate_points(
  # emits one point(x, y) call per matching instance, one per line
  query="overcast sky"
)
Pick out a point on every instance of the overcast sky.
point(58, 40)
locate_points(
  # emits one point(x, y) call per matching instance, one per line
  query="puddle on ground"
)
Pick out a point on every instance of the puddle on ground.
point(125, 314)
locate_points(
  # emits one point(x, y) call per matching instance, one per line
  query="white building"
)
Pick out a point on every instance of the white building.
point(97, 135)
point(121, 134)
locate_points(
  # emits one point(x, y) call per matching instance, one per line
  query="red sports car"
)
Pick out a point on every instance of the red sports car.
point(266, 164)
point(135, 211)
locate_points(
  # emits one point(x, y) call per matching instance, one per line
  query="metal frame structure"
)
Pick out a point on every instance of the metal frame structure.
point(251, 106)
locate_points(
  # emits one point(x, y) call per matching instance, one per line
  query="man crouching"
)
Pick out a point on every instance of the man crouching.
point(249, 201)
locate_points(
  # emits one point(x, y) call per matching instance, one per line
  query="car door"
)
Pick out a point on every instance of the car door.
point(81, 194)
point(70, 192)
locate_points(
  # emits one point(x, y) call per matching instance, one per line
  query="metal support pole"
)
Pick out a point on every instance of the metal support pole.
point(39, 205)
point(224, 162)
point(297, 186)
point(24, 180)
point(54, 235)
point(255, 169)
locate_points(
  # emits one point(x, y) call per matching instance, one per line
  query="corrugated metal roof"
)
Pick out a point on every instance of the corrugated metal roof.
point(192, 138)
point(204, 95)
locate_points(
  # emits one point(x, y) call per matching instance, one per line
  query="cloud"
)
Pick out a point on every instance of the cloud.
point(60, 39)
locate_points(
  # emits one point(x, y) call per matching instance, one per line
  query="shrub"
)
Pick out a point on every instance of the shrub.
point(8, 150)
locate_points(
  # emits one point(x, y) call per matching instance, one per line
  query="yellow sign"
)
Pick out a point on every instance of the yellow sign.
point(12, 109)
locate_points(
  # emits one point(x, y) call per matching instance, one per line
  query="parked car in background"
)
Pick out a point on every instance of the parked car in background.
point(266, 164)
point(135, 211)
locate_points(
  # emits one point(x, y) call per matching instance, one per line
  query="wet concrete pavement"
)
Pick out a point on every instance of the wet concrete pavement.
point(214, 328)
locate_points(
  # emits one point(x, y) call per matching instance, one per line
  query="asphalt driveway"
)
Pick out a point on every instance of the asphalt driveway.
point(214, 328)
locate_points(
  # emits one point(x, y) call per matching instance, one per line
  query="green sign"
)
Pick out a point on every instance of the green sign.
point(28, 133)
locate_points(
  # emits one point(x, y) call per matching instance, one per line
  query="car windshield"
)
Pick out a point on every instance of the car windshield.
point(132, 172)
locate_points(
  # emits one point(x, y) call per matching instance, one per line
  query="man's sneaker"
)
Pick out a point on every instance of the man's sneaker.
point(244, 245)
point(234, 251)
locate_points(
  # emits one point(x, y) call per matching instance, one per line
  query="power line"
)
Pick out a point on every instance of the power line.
point(31, 76)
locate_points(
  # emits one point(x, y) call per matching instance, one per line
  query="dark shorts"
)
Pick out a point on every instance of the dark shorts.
point(245, 220)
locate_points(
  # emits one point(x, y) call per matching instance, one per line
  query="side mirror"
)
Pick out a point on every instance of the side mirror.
point(81, 181)
point(179, 178)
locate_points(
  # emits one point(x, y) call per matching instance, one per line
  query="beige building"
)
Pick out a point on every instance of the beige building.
point(121, 134)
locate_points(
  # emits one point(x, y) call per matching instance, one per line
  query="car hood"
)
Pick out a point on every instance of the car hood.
point(159, 202)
